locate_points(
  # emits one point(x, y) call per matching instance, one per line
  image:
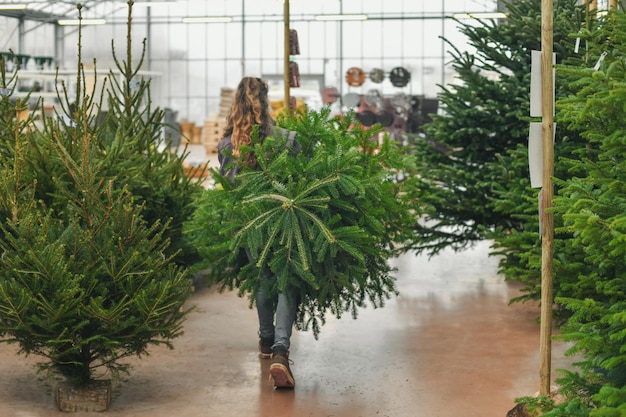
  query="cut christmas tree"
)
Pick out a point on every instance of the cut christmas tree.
point(323, 222)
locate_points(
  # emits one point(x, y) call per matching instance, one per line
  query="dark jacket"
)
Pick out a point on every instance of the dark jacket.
point(225, 151)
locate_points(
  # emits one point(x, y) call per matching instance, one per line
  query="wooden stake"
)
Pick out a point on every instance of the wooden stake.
point(547, 228)
point(286, 61)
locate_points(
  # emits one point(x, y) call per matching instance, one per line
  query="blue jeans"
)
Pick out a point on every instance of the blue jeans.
point(283, 311)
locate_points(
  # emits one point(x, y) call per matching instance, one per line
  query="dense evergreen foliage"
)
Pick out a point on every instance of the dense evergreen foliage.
point(132, 136)
point(592, 206)
point(129, 131)
point(520, 247)
point(588, 249)
point(87, 275)
point(324, 221)
point(474, 157)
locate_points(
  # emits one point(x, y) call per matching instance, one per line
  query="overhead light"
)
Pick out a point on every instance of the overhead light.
point(76, 22)
point(15, 6)
point(208, 19)
point(326, 17)
point(480, 15)
point(154, 3)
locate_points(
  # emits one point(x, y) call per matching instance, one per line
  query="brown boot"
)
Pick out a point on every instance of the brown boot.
point(265, 348)
point(280, 372)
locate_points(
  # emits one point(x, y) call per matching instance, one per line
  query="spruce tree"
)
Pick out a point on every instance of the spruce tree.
point(473, 159)
point(86, 279)
point(323, 222)
point(592, 205)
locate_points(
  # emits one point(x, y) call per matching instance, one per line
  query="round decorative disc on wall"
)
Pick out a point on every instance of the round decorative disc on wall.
point(385, 118)
point(373, 98)
point(401, 102)
point(351, 99)
point(377, 75)
point(355, 76)
point(399, 77)
point(366, 117)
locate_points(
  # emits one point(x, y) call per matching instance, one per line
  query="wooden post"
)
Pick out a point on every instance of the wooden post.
point(286, 61)
point(612, 4)
point(547, 228)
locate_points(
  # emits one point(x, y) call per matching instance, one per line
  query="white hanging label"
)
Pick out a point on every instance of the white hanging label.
point(535, 83)
point(535, 153)
point(597, 66)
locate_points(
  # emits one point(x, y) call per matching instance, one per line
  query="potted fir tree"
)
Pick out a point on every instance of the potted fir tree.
point(87, 276)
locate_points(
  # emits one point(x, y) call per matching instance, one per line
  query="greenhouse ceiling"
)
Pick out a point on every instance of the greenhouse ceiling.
point(249, 10)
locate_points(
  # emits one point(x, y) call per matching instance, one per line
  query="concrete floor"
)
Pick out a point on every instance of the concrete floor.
point(449, 345)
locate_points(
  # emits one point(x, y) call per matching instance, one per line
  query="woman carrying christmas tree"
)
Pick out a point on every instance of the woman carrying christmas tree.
point(251, 109)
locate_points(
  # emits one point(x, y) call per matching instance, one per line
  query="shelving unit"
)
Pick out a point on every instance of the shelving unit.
point(40, 84)
point(45, 83)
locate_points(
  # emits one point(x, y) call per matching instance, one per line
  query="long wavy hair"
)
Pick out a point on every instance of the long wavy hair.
point(250, 108)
